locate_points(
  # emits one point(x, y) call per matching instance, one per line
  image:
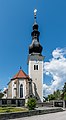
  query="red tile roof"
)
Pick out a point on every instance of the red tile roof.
point(20, 74)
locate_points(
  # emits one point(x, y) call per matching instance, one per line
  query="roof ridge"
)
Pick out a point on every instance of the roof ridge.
point(24, 72)
point(20, 74)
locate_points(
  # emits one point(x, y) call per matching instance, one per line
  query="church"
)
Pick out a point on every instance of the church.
point(22, 85)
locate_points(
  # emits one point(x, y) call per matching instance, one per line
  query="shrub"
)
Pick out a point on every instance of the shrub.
point(31, 104)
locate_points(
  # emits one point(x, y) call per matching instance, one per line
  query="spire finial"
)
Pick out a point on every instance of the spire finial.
point(35, 11)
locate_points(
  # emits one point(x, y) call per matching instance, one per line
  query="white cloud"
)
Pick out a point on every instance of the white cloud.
point(56, 67)
point(58, 53)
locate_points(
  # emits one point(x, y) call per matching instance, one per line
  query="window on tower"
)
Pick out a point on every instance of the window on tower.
point(35, 67)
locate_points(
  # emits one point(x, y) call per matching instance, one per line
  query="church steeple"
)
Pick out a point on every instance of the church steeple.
point(35, 46)
point(35, 62)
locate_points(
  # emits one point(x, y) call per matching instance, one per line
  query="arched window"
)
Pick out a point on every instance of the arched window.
point(21, 91)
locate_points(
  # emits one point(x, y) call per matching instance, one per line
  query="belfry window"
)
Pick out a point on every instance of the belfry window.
point(21, 91)
point(35, 67)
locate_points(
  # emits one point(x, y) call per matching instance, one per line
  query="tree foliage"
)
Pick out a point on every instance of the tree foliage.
point(51, 97)
point(64, 88)
point(65, 96)
point(55, 96)
point(64, 91)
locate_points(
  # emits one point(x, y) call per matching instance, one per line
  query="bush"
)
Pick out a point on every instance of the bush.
point(31, 104)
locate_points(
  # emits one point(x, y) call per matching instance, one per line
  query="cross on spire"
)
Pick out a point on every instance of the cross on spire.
point(35, 11)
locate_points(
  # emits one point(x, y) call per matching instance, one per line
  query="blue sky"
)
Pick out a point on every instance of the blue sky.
point(16, 20)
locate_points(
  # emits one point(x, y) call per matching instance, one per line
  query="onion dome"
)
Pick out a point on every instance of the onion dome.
point(35, 46)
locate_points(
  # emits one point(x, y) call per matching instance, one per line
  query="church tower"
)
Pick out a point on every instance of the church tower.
point(35, 62)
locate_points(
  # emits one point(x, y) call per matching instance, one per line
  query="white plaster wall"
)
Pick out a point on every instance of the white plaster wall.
point(13, 93)
point(23, 82)
point(29, 69)
point(37, 76)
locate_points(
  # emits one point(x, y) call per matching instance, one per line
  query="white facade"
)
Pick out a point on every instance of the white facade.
point(14, 89)
point(36, 74)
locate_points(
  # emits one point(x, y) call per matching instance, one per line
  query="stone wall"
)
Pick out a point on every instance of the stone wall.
point(12, 102)
point(17, 115)
point(54, 103)
point(59, 103)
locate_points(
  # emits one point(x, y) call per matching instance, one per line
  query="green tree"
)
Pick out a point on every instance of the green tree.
point(64, 92)
point(64, 88)
point(55, 96)
point(51, 97)
point(65, 96)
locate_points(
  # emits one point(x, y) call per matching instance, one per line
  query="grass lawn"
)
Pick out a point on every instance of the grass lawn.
point(12, 109)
